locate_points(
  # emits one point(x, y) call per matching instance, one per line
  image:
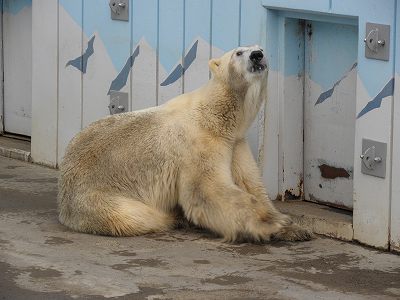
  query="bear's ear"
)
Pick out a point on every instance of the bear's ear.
point(214, 64)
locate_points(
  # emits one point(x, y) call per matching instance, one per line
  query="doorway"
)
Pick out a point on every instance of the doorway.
point(16, 98)
point(330, 80)
point(315, 91)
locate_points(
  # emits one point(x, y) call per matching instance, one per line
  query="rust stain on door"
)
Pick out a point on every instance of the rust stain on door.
point(330, 172)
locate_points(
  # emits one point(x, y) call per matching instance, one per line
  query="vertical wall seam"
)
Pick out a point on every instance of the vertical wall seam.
point(83, 26)
point(2, 68)
point(58, 79)
point(281, 154)
point(183, 46)
point(304, 38)
point(211, 29)
point(158, 52)
point(131, 2)
point(392, 126)
point(240, 23)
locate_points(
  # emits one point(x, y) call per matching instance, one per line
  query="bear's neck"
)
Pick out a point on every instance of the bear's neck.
point(228, 113)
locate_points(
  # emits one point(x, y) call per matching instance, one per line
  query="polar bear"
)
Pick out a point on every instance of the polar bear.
point(130, 174)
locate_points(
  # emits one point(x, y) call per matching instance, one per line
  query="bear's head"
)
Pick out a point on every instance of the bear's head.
point(240, 67)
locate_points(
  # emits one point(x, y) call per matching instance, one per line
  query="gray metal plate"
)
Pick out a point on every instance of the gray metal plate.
point(374, 35)
point(119, 102)
point(119, 10)
point(377, 169)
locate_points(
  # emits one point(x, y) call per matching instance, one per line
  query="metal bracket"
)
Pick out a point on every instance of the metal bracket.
point(373, 158)
point(119, 102)
point(377, 41)
point(119, 10)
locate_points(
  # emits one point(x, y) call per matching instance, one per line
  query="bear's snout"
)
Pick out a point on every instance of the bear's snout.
point(256, 56)
point(257, 61)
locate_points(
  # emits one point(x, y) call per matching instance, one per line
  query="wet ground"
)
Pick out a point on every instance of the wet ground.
point(41, 259)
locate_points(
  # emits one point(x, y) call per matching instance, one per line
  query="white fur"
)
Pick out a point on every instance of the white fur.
point(133, 173)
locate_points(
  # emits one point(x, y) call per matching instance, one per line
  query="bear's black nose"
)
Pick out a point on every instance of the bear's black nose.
point(256, 56)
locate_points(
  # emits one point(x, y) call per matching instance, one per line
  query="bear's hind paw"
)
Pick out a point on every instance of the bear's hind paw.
point(293, 233)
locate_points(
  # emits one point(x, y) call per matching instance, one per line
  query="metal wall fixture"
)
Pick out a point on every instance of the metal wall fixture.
point(119, 102)
point(377, 41)
point(119, 10)
point(373, 158)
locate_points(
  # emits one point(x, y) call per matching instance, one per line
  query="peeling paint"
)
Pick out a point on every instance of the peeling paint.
point(81, 62)
point(180, 70)
point(377, 101)
point(330, 172)
point(120, 81)
point(289, 195)
point(327, 94)
point(295, 193)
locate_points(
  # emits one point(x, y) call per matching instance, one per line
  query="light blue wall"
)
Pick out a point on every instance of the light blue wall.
point(396, 33)
point(197, 21)
point(170, 32)
point(336, 61)
point(346, 11)
point(233, 23)
point(14, 6)
point(144, 21)
point(229, 25)
point(225, 24)
point(172, 28)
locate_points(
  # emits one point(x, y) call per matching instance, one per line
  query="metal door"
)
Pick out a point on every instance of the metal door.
point(329, 112)
point(1, 71)
point(17, 54)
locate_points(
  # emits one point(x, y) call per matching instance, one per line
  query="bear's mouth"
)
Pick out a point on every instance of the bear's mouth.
point(257, 67)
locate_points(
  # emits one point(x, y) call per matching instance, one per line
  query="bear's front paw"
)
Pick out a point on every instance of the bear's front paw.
point(280, 219)
point(292, 233)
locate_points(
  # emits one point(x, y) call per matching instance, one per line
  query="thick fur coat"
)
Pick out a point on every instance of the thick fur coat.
point(129, 174)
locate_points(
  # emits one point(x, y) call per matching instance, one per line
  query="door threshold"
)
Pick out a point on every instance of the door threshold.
point(15, 148)
point(320, 219)
point(16, 136)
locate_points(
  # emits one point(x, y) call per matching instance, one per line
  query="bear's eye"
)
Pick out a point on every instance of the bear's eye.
point(239, 53)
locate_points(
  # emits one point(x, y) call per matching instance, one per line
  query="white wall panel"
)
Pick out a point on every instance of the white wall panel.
point(111, 58)
point(17, 67)
point(197, 40)
point(144, 71)
point(395, 185)
point(44, 81)
point(70, 78)
point(170, 44)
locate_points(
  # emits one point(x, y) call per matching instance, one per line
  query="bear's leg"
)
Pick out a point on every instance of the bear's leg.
point(227, 210)
point(246, 175)
point(115, 215)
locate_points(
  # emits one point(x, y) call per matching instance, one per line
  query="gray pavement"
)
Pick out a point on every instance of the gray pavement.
point(41, 259)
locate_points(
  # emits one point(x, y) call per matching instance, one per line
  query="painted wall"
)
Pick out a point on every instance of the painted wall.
point(395, 192)
point(79, 54)
point(161, 52)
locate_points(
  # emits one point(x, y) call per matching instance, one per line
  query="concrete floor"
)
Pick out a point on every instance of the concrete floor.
point(41, 259)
